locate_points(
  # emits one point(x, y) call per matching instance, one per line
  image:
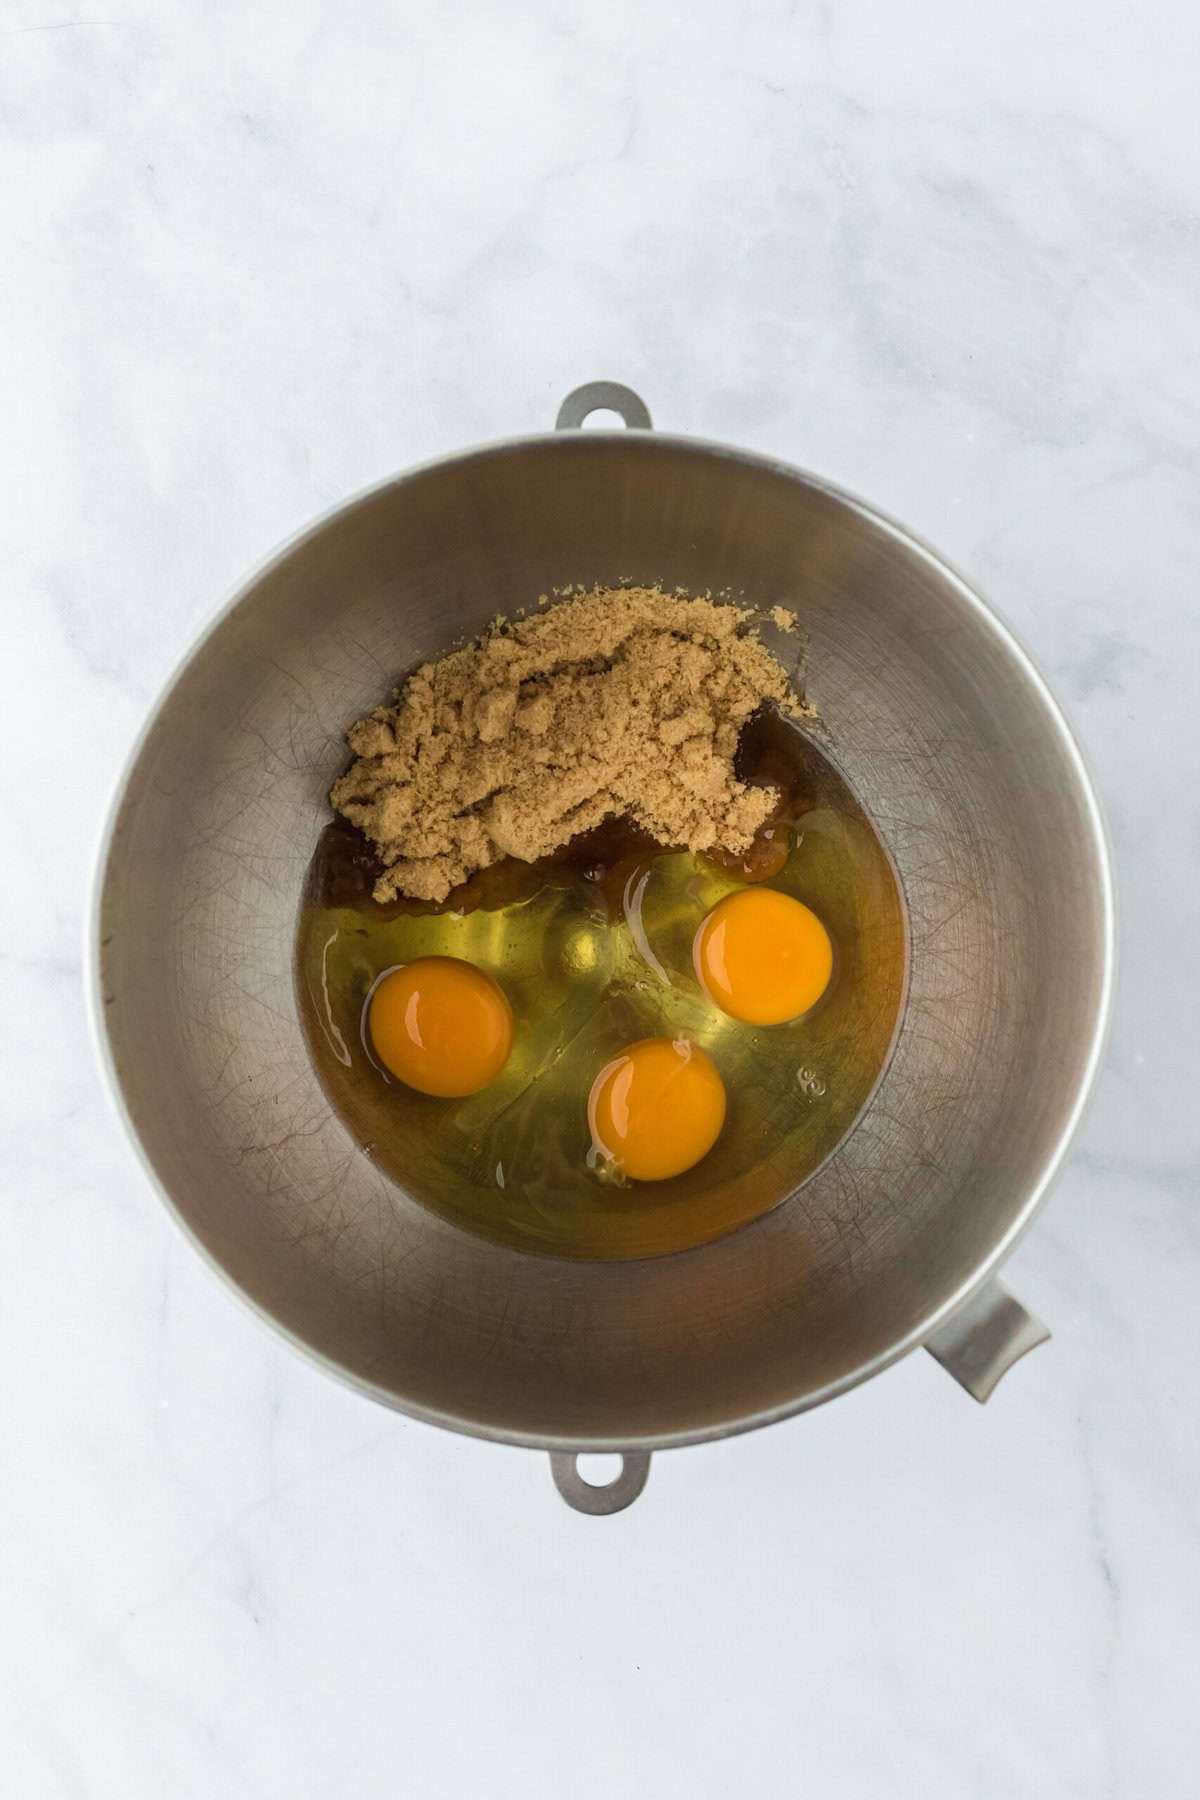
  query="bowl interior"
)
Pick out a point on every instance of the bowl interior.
point(949, 741)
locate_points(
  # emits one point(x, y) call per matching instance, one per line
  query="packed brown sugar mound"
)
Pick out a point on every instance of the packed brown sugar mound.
point(621, 701)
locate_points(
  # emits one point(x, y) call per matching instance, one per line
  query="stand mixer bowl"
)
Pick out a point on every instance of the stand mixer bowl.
point(961, 758)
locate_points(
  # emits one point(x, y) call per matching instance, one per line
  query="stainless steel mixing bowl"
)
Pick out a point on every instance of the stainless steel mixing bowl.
point(952, 742)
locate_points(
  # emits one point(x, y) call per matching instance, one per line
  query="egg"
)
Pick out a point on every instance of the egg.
point(594, 950)
point(440, 1025)
point(656, 1108)
point(762, 957)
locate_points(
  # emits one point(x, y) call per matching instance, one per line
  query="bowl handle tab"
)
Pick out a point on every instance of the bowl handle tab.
point(606, 396)
point(985, 1338)
point(585, 1497)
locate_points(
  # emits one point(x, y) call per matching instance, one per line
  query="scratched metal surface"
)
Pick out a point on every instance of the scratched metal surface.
point(948, 739)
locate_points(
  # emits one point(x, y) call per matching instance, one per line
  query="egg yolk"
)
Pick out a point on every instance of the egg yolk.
point(657, 1108)
point(762, 956)
point(440, 1025)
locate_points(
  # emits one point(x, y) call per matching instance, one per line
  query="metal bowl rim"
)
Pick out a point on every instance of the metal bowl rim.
point(567, 442)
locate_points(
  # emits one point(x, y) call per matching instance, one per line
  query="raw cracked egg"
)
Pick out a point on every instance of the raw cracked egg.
point(656, 1108)
point(763, 957)
point(608, 1133)
point(440, 1025)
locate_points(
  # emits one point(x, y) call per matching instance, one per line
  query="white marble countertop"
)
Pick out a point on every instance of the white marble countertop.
point(257, 257)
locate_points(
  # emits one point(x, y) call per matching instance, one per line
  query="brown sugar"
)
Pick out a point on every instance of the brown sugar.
point(620, 701)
